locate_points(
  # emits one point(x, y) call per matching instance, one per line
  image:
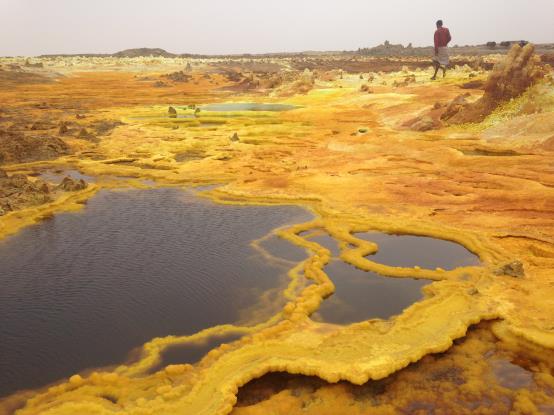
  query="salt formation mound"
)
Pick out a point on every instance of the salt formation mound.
point(16, 147)
point(17, 191)
point(303, 83)
point(72, 185)
point(509, 79)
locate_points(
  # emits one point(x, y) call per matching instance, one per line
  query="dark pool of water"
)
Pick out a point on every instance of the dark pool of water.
point(326, 241)
point(83, 289)
point(361, 295)
point(281, 248)
point(191, 353)
point(248, 106)
point(406, 250)
point(425, 252)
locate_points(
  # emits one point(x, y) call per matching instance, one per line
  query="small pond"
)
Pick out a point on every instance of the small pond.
point(248, 106)
point(83, 289)
point(361, 295)
point(425, 252)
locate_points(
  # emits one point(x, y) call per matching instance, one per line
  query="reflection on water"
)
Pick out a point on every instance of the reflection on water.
point(83, 289)
point(328, 242)
point(281, 248)
point(192, 353)
point(411, 251)
point(248, 106)
point(361, 295)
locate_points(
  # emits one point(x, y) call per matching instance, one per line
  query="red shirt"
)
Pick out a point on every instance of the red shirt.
point(442, 38)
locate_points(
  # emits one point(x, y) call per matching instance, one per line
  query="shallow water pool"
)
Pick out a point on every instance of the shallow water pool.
point(360, 295)
point(248, 106)
point(83, 289)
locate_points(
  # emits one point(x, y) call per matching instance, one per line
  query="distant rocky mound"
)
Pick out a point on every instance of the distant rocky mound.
point(302, 83)
point(135, 53)
point(390, 49)
point(179, 76)
point(509, 79)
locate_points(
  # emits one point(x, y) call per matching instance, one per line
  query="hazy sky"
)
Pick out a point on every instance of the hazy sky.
point(33, 27)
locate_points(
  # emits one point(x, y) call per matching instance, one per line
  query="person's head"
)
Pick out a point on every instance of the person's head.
point(439, 23)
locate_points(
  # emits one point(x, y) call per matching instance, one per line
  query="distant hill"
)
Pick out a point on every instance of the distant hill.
point(385, 50)
point(133, 53)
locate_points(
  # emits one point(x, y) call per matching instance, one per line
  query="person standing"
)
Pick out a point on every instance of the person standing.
point(441, 59)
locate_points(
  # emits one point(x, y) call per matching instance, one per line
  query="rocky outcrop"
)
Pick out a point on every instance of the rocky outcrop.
point(271, 81)
point(455, 106)
point(422, 124)
point(89, 131)
point(179, 76)
point(104, 127)
point(302, 83)
point(513, 269)
point(15, 75)
point(69, 184)
point(509, 79)
point(42, 125)
point(476, 84)
point(410, 79)
point(17, 192)
point(138, 52)
point(63, 128)
point(16, 147)
point(386, 49)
